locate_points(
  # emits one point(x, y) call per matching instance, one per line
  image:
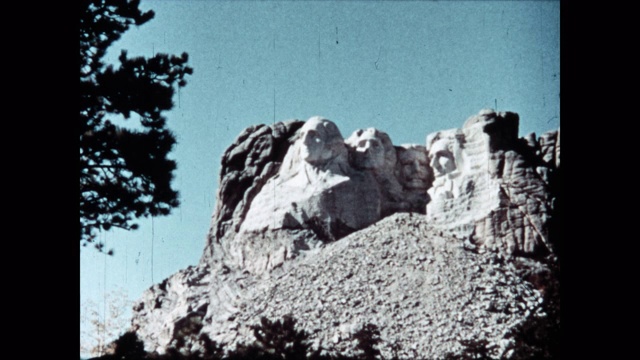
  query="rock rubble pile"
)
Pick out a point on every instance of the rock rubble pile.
point(439, 245)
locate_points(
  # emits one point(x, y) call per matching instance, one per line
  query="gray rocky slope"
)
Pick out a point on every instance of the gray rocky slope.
point(432, 283)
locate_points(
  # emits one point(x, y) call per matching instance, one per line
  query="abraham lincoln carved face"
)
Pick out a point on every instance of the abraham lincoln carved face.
point(441, 158)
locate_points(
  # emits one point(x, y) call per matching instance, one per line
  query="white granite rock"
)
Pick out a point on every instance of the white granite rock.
point(372, 152)
point(371, 276)
point(333, 232)
point(253, 158)
point(487, 187)
point(271, 206)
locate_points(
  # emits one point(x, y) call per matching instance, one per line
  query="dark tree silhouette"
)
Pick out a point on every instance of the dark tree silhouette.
point(129, 347)
point(368, 338)
point(124, 172)
point(473, 350)
point(281, 339)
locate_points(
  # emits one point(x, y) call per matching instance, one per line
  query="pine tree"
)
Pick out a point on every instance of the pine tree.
point(99, 328)
point(281, 339)
point(125, 173)
point(368, 338)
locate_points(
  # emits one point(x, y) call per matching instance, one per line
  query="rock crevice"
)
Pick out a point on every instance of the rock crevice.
point(439, 245)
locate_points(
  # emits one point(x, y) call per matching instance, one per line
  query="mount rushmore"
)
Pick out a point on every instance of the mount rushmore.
point(436, 243)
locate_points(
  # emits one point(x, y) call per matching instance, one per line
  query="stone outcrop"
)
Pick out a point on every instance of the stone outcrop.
point(253, 158)
point(425, 291)
point(490, 186)
point(296, 187)
point(438, 245)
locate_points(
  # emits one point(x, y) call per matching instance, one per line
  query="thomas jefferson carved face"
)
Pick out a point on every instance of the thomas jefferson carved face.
point(441, 158)
point(372, 149)
point(414, 167)
point(320, 141)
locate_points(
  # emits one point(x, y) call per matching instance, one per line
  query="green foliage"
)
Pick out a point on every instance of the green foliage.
point(275, 340)
point(281, 340)
point(368, 338)
point(124, 173)
point(473, 349)
point(129, 347)
point(211, 349)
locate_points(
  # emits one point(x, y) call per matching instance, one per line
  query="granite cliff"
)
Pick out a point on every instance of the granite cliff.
point(437, 244)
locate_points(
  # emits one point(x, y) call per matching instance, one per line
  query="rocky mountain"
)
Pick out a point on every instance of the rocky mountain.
point(442, 246)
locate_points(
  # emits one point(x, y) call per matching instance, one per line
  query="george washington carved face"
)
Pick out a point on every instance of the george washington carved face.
point(320, 141)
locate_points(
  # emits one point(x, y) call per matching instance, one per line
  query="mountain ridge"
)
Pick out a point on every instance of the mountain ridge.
point(439, 245)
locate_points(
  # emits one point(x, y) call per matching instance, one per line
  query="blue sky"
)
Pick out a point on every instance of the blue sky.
point(408, 68)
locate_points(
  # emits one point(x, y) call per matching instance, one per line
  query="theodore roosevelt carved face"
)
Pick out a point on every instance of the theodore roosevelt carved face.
point(414, 167)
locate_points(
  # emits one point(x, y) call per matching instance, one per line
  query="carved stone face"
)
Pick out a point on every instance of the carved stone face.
point(320, 141)
point(441, 158)
point(372, 149)
point(312, 146)
point(414, 167)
